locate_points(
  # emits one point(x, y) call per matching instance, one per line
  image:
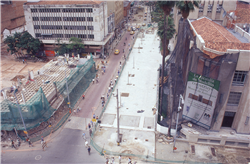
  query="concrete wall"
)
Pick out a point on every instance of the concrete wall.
point(243, 110)
point(242, 32)
point(7, 32)
point(28, 18)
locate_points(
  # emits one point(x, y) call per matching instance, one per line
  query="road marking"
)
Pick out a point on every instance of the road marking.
point(38, 157)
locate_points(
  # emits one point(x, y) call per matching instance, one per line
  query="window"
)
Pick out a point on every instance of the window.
point(239, 77)
point(90, 19)
point(36, 26)
point(57, 35)
point(90, 27)
point(234, 98)
point(38, 35)
point(219, 7)
point(82, 36)
point(33, 10)
point(89, 10)
point(91, 36)
point(35, 18)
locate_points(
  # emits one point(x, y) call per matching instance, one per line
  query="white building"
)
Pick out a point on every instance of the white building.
point(52, 20)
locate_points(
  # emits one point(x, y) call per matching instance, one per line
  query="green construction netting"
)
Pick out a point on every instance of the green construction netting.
point(34, 112)
point(38, 109)
point(78, 81)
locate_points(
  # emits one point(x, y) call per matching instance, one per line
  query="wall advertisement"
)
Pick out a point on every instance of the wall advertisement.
point(200, 99)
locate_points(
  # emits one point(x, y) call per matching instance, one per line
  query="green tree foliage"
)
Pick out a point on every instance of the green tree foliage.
point(76, 46)
point(22, 41)
point(170, 29)
point(186, 6)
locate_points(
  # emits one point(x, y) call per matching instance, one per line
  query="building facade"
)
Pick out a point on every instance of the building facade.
point(53, 20)
point(211, 9)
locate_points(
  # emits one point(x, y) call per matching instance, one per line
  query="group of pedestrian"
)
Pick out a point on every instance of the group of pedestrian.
point(43, 143)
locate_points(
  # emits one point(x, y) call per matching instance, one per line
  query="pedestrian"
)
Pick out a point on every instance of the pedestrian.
point(73, 56)
point(91, 122)
point(102, 72)
point(77, 110)
point(86, 144)
point(124, 57)
point(108, 90)
point(115, 80)
point(93, 81)
point(107, 95)
point(13, 144)
point(90, 132)
point(113, 160)
point(44, 144)
point(28, 140)
point(102, 103)
point(112, 87)
point(83, 136)
point(89, 126)
point(107, 160)
point(94, 115)
point(129, 161)
point(67, 61)
point(129, 44)
point(120, 66)
point(97, 80)
point(83, 96)
point(89, 150)
point(120, 158)
point(118, 72)
point(18, 143)
point(23, 61)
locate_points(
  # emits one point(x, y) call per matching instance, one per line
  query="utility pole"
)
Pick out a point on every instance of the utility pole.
point(67, 88)
point(177, 119)
point(118, 130)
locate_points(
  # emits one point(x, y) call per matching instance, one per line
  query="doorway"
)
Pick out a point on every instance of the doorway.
point(228, 119)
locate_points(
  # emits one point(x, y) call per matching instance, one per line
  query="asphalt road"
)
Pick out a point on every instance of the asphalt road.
point(67, 147)
point(92, 102)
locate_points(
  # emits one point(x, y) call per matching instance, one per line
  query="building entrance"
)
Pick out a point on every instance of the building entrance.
point(228, 119)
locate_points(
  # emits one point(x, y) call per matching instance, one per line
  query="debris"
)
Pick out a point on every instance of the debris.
point(160, 140)
point(190, 125)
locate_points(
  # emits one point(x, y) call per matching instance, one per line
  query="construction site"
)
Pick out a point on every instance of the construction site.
point(42, 93)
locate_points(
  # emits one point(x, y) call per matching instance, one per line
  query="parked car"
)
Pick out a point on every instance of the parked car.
point(132, 33)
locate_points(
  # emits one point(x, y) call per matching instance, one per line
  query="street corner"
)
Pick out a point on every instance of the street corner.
point(132, 141)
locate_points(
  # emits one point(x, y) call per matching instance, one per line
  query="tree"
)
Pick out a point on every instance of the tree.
point(186, 6)
point(166, 6)
point(22, 41)
point(76, 46)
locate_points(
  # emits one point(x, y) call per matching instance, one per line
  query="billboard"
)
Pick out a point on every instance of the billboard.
point(200, 98)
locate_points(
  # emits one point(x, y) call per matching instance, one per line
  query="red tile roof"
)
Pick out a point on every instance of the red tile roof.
point(242, 12)
point(63, 2)
point(216, 37)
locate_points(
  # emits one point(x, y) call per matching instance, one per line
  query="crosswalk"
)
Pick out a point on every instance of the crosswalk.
point(77, 123)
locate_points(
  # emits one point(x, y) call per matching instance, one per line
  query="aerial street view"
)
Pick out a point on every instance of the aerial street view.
point(125, 81)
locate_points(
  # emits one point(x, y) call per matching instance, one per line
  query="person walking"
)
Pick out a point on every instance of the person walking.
point(86, 144)
point(89, 150)
point(30, 144)
point(84, 136)
point(13, 144)
point(18, 143)
point(90, 132)
point(129, 161)
point(93, 81)
point(120, 159)
point(89, 126)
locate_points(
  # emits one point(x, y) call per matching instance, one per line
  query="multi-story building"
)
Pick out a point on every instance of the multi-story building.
point(212, 9)
point(53, 20)
point(116, 7)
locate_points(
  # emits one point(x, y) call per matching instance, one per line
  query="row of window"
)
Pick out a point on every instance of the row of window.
point(90, 19)
point(54, 27)
point(56, 10)
point(91, 36)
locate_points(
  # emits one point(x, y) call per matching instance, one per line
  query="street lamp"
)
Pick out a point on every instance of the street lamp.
point(177, 119)
point(20, 113)
point(118, 130)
